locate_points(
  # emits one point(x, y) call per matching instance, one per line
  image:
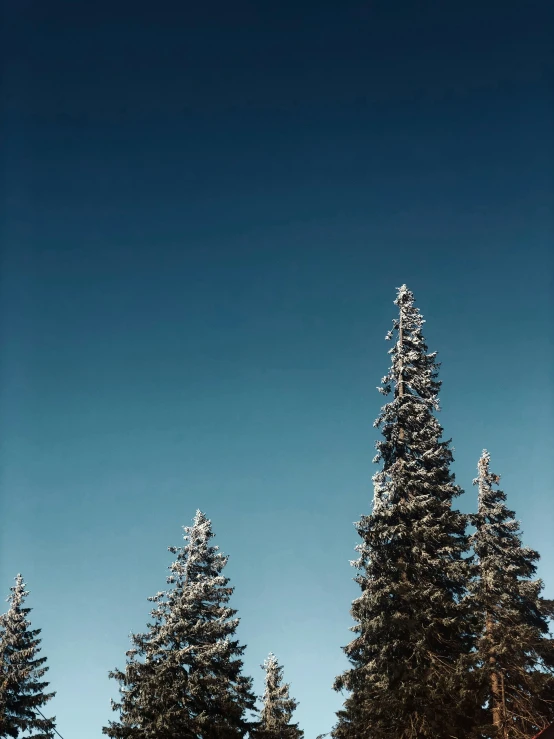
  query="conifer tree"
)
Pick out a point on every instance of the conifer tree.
point(408, 675)
point(22, 689)
point(183, 677)
point(278, 706)
point(516, 654)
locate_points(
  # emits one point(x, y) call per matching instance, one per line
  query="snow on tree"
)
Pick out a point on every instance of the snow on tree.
point(22, 689)
point(515, 650)
point(278, 706)
point(408, 675)
point(183, 677)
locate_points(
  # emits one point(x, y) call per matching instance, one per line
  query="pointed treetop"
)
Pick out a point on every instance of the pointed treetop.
point(412, 630)
point(413, 370)
point(200, 522)
point(22, 689)
point(18, 592)
point(201, 527)
point(199, 517)
point(514, 631)
point(184, 675)
point(197, 556)
point(270, 660)
point(405, 300)
point(482, 469)
point(403, 295)
point(278, 706)
point(198, 534)
point(484, 461)
point(486, 479)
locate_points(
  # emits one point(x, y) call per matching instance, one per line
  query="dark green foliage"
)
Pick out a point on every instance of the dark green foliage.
point(409, 676)
point(21, 672)
point(183, 678)
point(278, 706)
point(516, 653)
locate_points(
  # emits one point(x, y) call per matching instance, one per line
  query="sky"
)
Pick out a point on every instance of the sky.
point(206, 210)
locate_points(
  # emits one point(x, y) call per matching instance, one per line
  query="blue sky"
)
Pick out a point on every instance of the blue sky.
point(205, 215)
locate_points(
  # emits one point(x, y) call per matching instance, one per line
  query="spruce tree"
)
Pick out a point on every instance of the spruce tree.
point(278, 706)
point(22, 689)
point(409, 661)
point(183, 677)
point(516, 653)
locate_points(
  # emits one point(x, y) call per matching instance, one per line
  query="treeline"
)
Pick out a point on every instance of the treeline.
point(451, 635)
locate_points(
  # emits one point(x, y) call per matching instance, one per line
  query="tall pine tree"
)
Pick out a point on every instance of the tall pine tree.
point(516, 653)
point(22, 689)
point(408, 675)
point(183, 677)
point(278, 706)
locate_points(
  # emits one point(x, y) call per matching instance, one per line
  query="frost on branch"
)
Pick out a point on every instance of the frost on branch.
point(411, 634)
point(277, 706)
point(184, 674)
point(515, 651)
point(22, 671)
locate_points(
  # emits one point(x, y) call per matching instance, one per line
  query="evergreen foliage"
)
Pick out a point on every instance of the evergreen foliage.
point(183, 677)
point(278, 706)
point(409, 676)
point(516, 653)
point(446, 646)
point(22, 689)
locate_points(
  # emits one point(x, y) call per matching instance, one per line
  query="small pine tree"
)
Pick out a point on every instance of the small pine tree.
point(183, 678)
point(410, 658)
point(516, 654)
point(22, 691)
point(278, 706)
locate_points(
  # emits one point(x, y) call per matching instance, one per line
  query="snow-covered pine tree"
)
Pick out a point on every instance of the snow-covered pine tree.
point(278, 706)
point(516, 653)
point(408, 677)
point(22, 689)
point(183, 678)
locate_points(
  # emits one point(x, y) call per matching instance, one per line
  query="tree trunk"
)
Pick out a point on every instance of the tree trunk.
point(404, 575)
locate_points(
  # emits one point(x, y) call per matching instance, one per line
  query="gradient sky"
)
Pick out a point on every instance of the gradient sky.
point(206, 209)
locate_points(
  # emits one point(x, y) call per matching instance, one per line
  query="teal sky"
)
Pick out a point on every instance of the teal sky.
point(205, 217)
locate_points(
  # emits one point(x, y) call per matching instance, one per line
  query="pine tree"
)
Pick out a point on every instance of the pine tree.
point(22, 690)
point(409, 662)
point(515, 651)
point(278, 706)
point(183, 677)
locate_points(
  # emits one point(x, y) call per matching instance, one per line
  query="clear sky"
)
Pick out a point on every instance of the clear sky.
point(206, 209)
